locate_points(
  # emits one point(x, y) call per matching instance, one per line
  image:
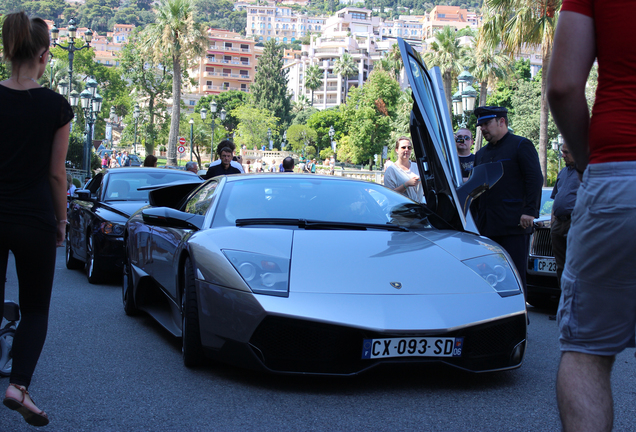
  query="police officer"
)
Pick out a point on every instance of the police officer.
point(506, 212)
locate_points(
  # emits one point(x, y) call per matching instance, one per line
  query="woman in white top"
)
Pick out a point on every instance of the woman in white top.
point(403, 175)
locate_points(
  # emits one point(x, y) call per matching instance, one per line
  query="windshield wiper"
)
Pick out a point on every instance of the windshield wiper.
point(311, 224)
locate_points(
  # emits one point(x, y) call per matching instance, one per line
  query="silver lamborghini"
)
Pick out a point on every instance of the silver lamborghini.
point(296, 273)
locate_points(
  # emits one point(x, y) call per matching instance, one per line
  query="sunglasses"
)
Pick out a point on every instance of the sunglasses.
point(49, 56)
point(464, 137)
point(406, 147)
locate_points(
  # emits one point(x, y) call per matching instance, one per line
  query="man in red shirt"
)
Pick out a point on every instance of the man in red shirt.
point(597, 312)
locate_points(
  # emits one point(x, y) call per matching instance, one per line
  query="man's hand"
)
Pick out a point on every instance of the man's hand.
point(526, 221)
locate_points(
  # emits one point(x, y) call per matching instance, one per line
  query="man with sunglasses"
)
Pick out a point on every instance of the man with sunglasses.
point(506, 212)
point(564, 195)
point(464, 143)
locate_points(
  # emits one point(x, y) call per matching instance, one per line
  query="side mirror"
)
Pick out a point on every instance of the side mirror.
point(171, 218)
point(83, 194)
point(482, 178)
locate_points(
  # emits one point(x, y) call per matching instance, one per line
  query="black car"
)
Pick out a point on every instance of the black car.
point(97, 215)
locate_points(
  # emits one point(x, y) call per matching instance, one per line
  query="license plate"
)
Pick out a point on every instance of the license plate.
point(545, 265)
point(412, 347)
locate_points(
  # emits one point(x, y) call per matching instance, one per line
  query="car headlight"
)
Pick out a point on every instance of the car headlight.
point(264, 274)
point(111, 228)
point(495, 270)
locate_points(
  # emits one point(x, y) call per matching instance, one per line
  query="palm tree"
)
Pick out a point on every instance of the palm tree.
point(488, 66)
point(447, 55)
point(345, 66)
point(301, 103)
point(518, 23)
point(313, 80)
point(175, 35)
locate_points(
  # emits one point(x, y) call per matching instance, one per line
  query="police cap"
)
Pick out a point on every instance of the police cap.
point(485, 113)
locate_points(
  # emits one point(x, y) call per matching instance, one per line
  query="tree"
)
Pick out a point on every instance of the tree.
point(253, 125)
point(149, 79)
point(367, 116)
point(345, 66)
point(313, 80)
point(518, 23)
point(447, 55)
point(229, 101)
point(270, 83)
point(321, 122)
point(175, 35)
point(301, 138)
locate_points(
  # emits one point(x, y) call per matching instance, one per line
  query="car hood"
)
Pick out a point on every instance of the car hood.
point(374, 262)
point(118, 209)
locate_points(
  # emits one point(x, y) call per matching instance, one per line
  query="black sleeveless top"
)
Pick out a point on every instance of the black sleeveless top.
point(28, 122)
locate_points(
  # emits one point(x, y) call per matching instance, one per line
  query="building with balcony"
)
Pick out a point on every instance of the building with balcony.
point(350, 30)
point(406, 26)
point(280, 23)
point(229, 64)
point(453, 16)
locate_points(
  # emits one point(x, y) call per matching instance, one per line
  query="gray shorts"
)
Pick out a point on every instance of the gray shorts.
point(597, 312)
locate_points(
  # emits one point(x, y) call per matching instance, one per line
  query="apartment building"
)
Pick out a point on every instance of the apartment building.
point(453, 16)
point(229, 64)
point(350, 30)
point(121, 32)
point(280, 23)
point(406, 26)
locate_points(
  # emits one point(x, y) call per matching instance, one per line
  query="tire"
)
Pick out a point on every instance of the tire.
point(72, 263)
point(127, 288)
point(6, 343)
point(191, 335)
point(92, 273)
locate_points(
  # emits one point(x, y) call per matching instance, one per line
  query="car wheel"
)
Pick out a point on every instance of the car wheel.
point(72, 263)
point(92, 273)
point(127, 288)
point(191, 336)
point(6, 359)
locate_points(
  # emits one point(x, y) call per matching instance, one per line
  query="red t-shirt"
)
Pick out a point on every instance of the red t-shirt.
point(613, 124)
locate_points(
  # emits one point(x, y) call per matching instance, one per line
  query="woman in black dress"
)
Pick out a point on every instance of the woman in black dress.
point(35, 128)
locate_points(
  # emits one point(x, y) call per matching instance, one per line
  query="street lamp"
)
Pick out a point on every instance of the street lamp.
point(282, 144)
point(556, 147)
point(464, 98)
point(136, 113)
point(71, 48)
point(204, 113)
point(191, 137)
point(91, 105)
point(109, 126)
point(269, 138)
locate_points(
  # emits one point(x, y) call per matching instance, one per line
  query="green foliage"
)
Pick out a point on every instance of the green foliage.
point(220, 14)
point(302, 138)
point(367, 117)
point(313, 80)
point(301, 117)
point(321, 122)
point(253, 125)
point(229, 101)
point(270, 83)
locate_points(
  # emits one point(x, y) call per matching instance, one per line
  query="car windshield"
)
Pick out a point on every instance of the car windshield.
point(285, 201)
point(123, 186)
point(546, 202)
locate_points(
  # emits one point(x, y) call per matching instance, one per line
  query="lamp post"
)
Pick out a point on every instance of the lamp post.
point(464, 98)
point(204, 113)
point(109, 126)
point(282, 144)
point(191, 137)
point(136, 113)
point(91, 105)
point(556, 146)
point(71, 48)
point(269, 138)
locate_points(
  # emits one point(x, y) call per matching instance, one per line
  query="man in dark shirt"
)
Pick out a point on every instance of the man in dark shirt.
point(224, 168)
point(564, 195)
point(464, 143)
point(506, 212)
point(288, 164)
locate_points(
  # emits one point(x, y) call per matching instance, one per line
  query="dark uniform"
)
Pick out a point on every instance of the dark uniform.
point(518, 192)
point(217, 170)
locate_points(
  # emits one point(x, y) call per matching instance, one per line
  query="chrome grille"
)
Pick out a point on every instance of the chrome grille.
point(541, 243)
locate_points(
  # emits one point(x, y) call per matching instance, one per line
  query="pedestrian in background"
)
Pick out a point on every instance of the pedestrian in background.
point(564, 196)
point(35, 124)
point(597, 311)
point(192, 166)
point(150, 161)
point(403, 176)
point(464, 143)
point(220, 146)
point(105, 161)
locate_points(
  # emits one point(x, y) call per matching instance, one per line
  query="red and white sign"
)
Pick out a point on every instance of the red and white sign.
point(181, 149)
point(182, 140)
